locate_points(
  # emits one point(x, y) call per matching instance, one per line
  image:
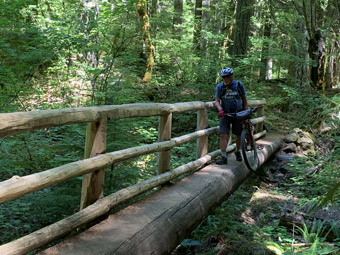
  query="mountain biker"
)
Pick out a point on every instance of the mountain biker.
point(230, 97)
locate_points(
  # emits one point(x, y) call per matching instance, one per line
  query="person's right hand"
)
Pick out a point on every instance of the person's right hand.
point(221, 114)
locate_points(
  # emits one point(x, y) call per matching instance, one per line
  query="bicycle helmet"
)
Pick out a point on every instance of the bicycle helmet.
point(226, 71)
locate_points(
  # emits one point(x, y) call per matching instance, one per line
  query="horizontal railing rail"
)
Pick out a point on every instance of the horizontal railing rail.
point(96, 159)
point(18, 122)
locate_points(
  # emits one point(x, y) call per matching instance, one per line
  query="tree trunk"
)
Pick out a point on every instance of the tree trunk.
point(266, 70)
point(217, 17)
point(88, 18)
point(316, 51)
point(150, 49)
point(332, 61)
point(154, 10)
point(205, 26)
point(178, 19)
point(329, 72)
point(244, 11)
point(197, 24)
point(298, 70)
point(316, 44)
point(228, 25)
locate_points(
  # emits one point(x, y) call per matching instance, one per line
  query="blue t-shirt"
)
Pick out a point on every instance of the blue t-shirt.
point(231, 100)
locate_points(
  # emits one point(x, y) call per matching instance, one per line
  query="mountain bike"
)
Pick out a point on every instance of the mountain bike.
point(248, 143)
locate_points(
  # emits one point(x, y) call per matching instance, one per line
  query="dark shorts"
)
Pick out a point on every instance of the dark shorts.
point(236, 126)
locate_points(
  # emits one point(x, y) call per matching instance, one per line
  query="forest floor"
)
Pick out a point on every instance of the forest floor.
point(254, 219)
point(254, 205)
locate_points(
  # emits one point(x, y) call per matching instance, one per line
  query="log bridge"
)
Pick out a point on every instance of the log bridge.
point(157, 223)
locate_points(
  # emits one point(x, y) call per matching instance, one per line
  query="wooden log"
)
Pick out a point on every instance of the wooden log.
point(164, 134)
point(18, 122)
point(258, 120)
point(256, 102)
point(188, 106)
point(258, 135)
point(157, 224)
point(259, 126)
point(250, 103)
point(93, 183)
point(19, 186)
point(102, 206)
point(43, 236)
point(202, 142)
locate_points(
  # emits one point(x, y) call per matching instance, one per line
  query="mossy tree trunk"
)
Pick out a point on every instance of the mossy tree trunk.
point(205, 27)
point(177, 19)
point(149, 47)
point(316, 43)
point(244, 12)
point(267, 68)
point(197, 24)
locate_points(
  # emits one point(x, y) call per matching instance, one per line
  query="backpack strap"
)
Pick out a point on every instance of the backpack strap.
point(223, 90)
point(239, 91)
point(240, 94)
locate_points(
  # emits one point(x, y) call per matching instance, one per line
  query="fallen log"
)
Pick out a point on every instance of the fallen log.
point(158, 223)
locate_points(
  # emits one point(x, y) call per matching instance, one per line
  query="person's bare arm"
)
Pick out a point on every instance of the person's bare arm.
point(218, 104)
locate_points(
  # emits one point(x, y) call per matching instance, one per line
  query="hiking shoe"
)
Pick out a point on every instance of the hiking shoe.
point(238, 156)
point(222, 161)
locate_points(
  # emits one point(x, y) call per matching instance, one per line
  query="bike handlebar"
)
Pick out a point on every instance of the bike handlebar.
point(251, 111)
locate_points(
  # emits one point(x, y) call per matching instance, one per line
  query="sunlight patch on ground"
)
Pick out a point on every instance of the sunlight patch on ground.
point(264, 195)
point(262, 203)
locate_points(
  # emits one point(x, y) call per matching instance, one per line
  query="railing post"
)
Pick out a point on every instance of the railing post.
point(164, 134)
point(259, 126)
point(202, 142)
point(93, 183)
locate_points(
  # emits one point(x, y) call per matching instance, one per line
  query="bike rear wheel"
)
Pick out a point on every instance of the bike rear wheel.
point(249, 152)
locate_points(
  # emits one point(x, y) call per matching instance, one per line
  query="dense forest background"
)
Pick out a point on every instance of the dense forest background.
point(69, 53)
point(73, 53)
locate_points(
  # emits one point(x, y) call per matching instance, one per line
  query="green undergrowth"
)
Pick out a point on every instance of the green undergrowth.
point(248, 222)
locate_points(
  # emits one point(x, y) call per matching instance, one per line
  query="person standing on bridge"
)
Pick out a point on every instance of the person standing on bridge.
point(230, 97)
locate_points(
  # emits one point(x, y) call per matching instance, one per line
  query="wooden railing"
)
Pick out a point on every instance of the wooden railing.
point(96, 159)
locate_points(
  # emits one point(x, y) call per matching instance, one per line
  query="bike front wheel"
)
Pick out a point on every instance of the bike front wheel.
point(249, 152)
